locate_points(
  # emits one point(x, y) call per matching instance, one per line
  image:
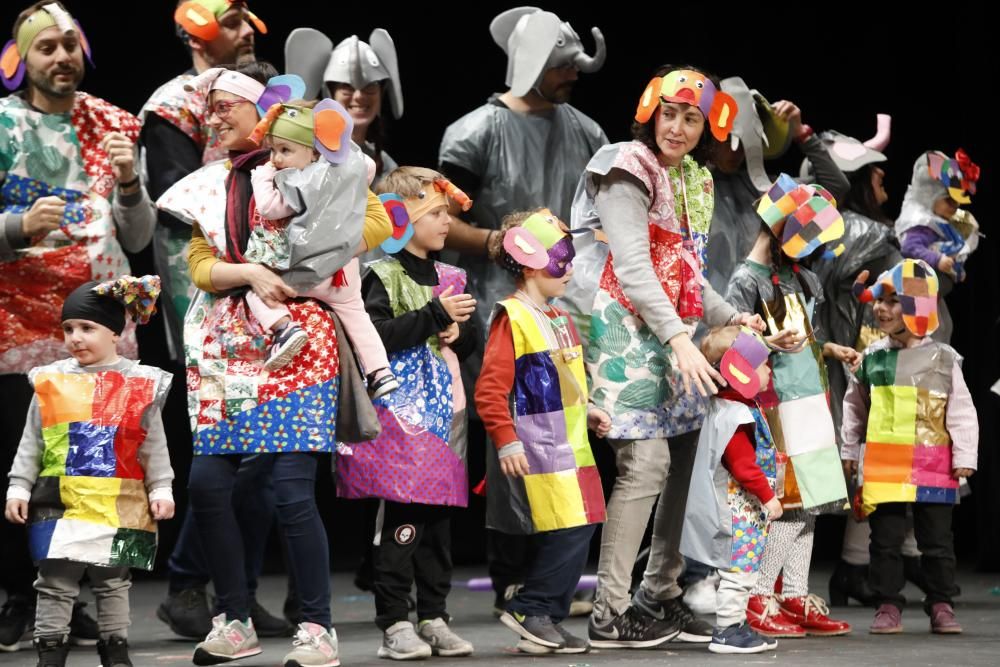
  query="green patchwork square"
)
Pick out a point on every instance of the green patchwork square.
point(133, 548)
point(56, 439)
point(879, 368)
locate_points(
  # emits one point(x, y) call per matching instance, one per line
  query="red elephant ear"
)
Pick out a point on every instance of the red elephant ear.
point(197, 20)
point(740, 375)
point(722, 115)
point(649, 101)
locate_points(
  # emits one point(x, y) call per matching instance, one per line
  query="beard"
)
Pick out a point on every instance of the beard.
point(47, 84)
point(559, 95)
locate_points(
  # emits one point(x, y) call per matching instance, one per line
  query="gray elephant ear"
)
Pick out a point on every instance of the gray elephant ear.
point(503, 24)
point(307, 52)
point(532, 47)
point(749, 131)
point(385, 49)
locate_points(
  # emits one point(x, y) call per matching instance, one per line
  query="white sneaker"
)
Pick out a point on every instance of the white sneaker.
point(700, 596)
point(443, 641)
point(313, 646)
point(400, 642)
point(226, 642)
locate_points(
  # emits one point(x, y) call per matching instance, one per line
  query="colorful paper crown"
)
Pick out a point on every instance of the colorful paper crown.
point(685, 86)
point(542, 241)
point(959, 175)
point(802, 217)
point(740, 362)
point(916, 285)
point(200, 18)
point(327, 127)
point(13, 53)
point(404, 212)
point(137, 295)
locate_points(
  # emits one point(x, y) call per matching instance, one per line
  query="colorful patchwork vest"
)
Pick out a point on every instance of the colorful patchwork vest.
point(188, 112)
point(549, 408)
point(89, 503)
point(907, 451)
point(57, 154)
point(419, 457)
point(632, 372)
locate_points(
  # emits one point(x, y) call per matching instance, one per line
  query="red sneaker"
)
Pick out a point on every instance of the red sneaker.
point(943, 620)
point(765, 617)
point(810, 612)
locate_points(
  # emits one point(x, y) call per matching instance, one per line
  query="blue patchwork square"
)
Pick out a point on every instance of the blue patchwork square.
point(91, 450)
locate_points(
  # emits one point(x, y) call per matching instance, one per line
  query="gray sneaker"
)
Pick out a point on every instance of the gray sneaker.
point(226, 642)
point(574, 644)
point(314, 646)
point(538, 629)
point(442, 639)
point(400, 642)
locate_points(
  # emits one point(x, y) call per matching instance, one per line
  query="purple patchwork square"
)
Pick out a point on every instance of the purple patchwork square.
point(545, 442)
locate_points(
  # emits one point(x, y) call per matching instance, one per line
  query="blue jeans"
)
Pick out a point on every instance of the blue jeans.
point(211, 487)
point(553, 572)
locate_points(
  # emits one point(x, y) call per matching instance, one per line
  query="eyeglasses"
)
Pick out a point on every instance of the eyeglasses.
point(223, 108)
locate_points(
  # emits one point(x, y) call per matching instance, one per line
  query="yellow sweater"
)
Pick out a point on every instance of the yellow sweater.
point(201, 259)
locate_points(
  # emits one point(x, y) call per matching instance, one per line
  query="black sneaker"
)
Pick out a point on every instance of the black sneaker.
point(16, 622)
point(52, 651)
point(286, 345)
point(633, 629)
point(692, 629)
point(187, 613)
point(82, 627)
point(740, 638)
point(574, 644)
point(114, 652)
point(538, 629)
point(381, 382)
point(268, 625)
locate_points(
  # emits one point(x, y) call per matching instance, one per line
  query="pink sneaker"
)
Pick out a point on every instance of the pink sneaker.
point(888, 621)
point(943, 620)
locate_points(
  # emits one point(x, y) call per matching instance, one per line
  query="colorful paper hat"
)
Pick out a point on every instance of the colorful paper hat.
point(137, 295)
point(404, 212)
point(326, 127)
point(200, 18)
point(959, 175)
point(802, 217)
point(740, 362)
point(685, 86)
point(916, 285)
point(542, 241)
point(13, 53)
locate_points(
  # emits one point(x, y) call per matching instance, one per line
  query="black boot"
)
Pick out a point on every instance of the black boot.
point(914, 573)
point(82, 627)
point(114, 652)
point(187, 613)
point(52, 651)
point(850, 581)
point(267, 624)
point(17, 620)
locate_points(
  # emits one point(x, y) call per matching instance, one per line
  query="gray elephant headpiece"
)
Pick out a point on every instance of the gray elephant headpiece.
point(848, 153)
point(311, 54)
point(535, 41)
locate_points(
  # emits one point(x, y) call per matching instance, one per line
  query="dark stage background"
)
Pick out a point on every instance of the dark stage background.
point(929, 72)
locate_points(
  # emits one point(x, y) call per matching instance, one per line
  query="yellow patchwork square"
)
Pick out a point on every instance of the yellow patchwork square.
point(572, 377)
point(65, 397)
point(876, 493)
point(555, 500)
point(893, 415)
point(92, 499)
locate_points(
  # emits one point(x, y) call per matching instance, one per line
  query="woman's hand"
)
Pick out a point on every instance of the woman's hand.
point(842, 353)
point(515, 465)
point(786, 339)
point(266, 284)
point(694, 368)
point(791, 113)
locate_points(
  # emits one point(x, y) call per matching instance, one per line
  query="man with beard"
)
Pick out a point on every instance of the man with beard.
point(523, 149)
point(70, 200)
point(177, 140)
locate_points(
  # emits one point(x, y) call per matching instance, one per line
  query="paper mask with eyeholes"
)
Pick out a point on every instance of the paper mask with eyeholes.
point(740, 362)
point(200, 18)
point(916, 285)
point(12, 68)
point(802, 217)
point(542, 241)
point(685, 86)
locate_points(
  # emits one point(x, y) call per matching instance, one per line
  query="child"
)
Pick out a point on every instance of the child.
point(798, 220)
point(295, 145)
point(532, 396)
point(91, 475)
point(910, 407)
point(416, 466)
point(732, 496)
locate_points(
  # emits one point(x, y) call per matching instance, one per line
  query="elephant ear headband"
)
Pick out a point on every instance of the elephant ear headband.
point(684, 86)
point(542, 241)
point(404, 212)
point(200, 18)
point(12, 56)
point(327, 127)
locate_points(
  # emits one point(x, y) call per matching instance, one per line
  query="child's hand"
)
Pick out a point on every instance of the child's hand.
point(598, 421)
point(850, 468)
point(847, 355)
point(162, 509)
point(957, 473)
point(752, 320)
point(785, 339)
point(458, 306)
point(515, 465)
point(946, 263)
point(449, 335)
point(16, 511)
point(773, 507)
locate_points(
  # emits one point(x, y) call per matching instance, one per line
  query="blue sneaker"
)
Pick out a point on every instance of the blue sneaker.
point(739, 638)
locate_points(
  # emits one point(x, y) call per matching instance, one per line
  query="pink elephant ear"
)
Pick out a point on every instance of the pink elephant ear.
point(722, 115)
point(333, 128)
point(11, 66)
point(84, 43)
point(525, 249)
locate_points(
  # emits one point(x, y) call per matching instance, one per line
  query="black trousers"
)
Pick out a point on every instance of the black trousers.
point(414, 547)
point(932, 528)
point(17, 572)
point(553, 572)
point(508, 557)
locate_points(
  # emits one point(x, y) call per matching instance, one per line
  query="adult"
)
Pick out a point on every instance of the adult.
point(522, 149)
point(654, 203)
point(70, 201)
